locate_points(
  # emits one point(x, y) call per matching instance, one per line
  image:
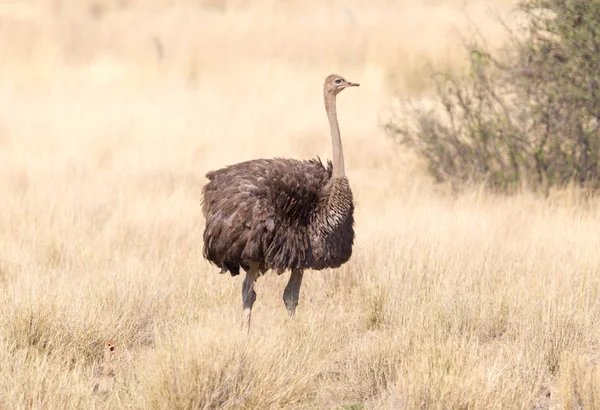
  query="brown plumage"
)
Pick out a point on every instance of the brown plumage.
point(281, 214)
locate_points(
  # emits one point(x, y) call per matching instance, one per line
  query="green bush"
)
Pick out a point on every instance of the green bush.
point(527, 114)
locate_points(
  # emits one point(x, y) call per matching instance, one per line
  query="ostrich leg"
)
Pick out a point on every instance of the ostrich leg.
point(291, 294)
point(248, 294)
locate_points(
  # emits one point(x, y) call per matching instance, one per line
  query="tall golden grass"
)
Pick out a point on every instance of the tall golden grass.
point(111, 114)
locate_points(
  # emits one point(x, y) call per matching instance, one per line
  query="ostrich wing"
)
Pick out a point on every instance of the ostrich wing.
point(259, 211)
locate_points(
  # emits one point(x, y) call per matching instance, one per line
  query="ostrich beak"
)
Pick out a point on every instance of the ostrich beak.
point(349, 84)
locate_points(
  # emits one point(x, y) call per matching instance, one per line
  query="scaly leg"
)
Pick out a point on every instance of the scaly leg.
point(291, 294)
point(248, 294)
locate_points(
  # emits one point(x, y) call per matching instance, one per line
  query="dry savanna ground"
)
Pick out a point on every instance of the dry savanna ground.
point(111, 112)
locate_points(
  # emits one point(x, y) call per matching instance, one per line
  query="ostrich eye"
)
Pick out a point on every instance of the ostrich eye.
point(338, 81)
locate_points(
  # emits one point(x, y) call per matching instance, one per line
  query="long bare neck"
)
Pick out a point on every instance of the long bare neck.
point(336, 139)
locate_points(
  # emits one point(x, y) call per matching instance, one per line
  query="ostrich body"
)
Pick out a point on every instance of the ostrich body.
point(281, 214)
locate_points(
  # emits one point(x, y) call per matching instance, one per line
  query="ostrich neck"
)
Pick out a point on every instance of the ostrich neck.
point(336, 140)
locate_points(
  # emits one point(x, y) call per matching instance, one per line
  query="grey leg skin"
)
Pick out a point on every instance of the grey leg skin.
point(249, 295)
point(291, 294)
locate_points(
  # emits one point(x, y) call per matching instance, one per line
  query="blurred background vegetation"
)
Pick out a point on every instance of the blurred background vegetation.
point(526, 114)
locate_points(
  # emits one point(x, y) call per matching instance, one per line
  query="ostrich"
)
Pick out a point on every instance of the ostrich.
point(281, 214)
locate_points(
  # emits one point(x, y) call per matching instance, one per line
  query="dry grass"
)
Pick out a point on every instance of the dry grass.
point(468, 302)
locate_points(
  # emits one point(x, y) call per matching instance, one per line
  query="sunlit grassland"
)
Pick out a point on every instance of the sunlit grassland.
point(111, 114)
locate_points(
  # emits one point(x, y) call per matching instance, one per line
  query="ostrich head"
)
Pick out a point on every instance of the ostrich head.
point(334, 84)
